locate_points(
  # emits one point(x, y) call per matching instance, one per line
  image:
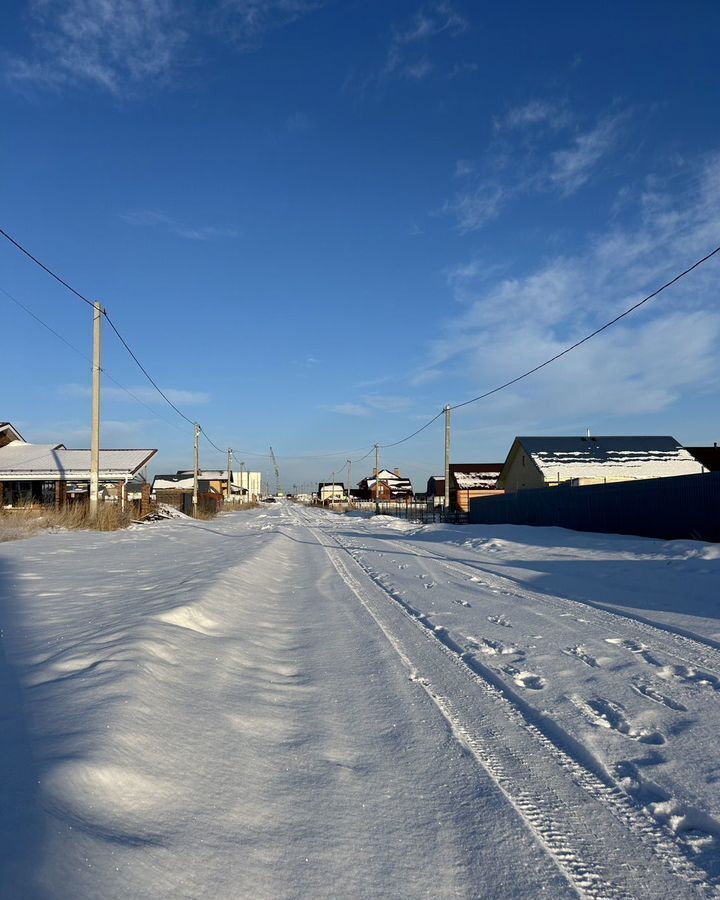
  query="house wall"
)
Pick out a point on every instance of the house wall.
point(463, 497)
point(522, 473)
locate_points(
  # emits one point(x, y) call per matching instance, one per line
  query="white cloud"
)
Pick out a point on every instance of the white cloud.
point(532, 113)
point(643, 365)
point(145, 394)
point(349, 409)
point(153, 218)
point(121, 45)
point(115, 44)
point(572, 166)
point(518, 170)
point(247, 21)
point(475, 207)
point(370, 403)
point(402, 59)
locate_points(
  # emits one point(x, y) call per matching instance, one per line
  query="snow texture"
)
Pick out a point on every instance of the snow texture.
point(294, 704)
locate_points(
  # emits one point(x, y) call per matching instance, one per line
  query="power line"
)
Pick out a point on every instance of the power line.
point(589, 336)
point(145, 371)
point(45, 268)
point(86, 357)
point(564, 352)
point(422, 428)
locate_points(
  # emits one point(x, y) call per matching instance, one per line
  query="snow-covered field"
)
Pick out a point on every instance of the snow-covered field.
point(289, 703)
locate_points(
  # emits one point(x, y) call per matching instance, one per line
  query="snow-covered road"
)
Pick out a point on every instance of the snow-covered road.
point(293, 704)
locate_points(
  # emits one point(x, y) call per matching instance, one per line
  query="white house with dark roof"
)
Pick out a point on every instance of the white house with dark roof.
point(391, 486)
point(535, 462)
point(45, 473)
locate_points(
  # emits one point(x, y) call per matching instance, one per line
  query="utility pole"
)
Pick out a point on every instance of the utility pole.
point(95, 427)
point(229, 472)
point(196, 470)
point(242, 479)
point(446, 500)
point(332, 489)
point(349, 462)
point(377, 479)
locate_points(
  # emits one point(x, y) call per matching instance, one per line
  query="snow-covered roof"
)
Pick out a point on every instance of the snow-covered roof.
point(53, 462)
point(604, 456)
point(476, 480)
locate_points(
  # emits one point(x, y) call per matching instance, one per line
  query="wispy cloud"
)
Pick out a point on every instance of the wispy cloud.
point(643, 365)
point(115, 45)
point(146, 394)
point(247, 21)
point(520, 169)
point(121, 45)
point(372, 403)
point(349, 409)
point(533, 113)
point(572, 166)
point(408, 53)
point(297, 122)
point(156, 218)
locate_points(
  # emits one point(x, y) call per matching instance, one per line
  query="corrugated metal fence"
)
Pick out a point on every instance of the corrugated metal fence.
point(687, 506)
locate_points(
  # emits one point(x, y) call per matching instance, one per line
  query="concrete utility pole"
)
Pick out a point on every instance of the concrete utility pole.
point(242, 479)
point(196, 470)
point(95, 428)
point(349, 462)
point(332, 495)
point(229, 472)
point(377, 479)
point(446, 500)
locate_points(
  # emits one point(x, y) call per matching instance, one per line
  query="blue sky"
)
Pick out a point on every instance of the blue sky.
point(318, 222)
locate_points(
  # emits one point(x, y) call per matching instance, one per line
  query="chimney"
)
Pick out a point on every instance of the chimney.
point(396, 472)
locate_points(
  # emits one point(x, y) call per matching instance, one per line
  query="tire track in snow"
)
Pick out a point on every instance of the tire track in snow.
point(695, 653)
point(581, 819)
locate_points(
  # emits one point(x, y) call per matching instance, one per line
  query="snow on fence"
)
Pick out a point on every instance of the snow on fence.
point(683, 506)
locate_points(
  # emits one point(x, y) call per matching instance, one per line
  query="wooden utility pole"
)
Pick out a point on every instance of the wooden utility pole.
point(446, 500)
point(95, 428)
point(377, 479)
point(349, 462)
point(229, 472)
point(196, 470)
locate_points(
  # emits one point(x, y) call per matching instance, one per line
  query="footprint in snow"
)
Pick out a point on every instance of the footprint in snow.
point(648, 691)
point(606, 714)
point(525, 679)
point(499, 620)
point(582, 654)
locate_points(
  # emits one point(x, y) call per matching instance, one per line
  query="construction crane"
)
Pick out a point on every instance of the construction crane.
point(277, 472)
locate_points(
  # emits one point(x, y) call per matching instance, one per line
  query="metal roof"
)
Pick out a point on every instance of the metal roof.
point(618, 456)
point(52, 462)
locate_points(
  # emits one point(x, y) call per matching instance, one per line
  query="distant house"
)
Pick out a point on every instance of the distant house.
point(331, 492)
point(470, 480)
point(467, 481)
point(386, 486)
point(435, 490)
point(535, 462)
point(708, 457)
point(243, 485)
point(49, 474)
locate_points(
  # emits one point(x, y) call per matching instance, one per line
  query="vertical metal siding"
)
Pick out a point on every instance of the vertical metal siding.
point(685, 506)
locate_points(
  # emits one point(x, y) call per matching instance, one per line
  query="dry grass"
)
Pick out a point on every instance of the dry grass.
point(27, 521)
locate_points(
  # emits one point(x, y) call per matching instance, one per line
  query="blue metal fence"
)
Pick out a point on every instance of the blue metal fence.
point(687, 506)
